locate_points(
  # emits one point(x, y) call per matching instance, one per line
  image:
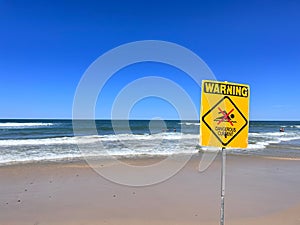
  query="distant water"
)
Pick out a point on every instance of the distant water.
point(24, 141)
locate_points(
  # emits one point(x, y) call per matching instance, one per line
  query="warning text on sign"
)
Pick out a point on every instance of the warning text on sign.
point(226, 89)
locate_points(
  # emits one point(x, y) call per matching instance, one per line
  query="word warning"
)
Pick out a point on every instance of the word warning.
point(224, 114)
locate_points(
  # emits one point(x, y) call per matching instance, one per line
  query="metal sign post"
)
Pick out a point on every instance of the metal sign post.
point(223, 185)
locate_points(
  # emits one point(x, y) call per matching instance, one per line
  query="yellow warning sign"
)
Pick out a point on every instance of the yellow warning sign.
point(224, 114)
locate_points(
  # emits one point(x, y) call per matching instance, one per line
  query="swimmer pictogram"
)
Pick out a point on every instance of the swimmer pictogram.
point(227, 117)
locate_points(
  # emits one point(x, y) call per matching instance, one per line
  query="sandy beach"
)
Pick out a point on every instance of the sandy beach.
point(258, 191)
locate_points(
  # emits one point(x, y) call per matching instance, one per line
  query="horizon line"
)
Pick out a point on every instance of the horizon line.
point(256, 120)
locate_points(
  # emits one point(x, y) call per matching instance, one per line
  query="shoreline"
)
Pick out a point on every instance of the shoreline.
point(133, 158)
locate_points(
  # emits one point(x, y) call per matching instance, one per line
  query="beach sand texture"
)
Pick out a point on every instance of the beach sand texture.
point(258, 191)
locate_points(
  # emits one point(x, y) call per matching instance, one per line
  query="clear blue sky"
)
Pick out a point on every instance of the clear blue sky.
point(45, 47)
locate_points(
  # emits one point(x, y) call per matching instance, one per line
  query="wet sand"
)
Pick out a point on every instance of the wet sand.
point(258, 191)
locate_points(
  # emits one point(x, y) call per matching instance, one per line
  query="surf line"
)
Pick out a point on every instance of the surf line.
point(226, 89)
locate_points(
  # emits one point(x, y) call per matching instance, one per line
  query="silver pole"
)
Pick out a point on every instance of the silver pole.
point(223, 185)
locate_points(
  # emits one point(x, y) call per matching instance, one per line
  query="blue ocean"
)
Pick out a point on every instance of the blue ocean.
point(27, 141)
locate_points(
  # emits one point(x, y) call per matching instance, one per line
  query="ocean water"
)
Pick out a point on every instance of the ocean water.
point(23, 141)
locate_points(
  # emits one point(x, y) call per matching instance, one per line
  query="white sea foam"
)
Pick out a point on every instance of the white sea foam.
point(273, 134)
point(266, 138)
point(210, 149)
point(9, 125)
point(96, 138)
point(289, 138)
point(167, 143)
point(11, 159)
point(258, 145)
point(190, 124)
point(50, 141)
point(261, 140)
point(47, 149)
point(254, 134)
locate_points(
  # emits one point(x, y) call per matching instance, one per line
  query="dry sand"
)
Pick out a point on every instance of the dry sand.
point(258, 191)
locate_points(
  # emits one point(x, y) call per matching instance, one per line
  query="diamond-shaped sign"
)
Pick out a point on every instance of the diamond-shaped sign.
point(225, 123)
